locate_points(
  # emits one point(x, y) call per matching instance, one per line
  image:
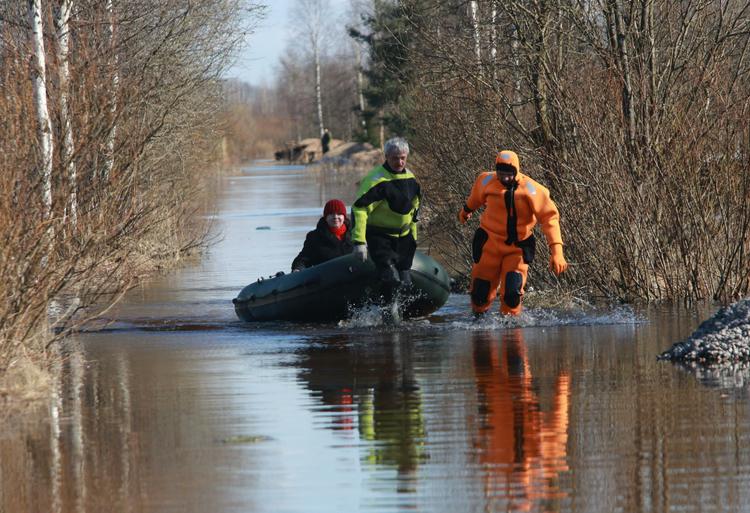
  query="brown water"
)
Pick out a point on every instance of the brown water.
point(179, 407)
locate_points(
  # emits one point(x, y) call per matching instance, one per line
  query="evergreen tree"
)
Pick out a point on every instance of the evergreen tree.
point(388, 39)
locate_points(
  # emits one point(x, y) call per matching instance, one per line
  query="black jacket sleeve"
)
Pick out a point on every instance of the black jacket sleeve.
point(302, 261)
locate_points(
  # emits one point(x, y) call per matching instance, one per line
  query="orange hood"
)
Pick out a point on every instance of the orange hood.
point(509, 158)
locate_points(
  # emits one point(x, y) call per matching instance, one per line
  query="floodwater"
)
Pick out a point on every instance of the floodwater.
point(179, 407)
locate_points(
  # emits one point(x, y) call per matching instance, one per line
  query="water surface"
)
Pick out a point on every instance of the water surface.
point(178, 406)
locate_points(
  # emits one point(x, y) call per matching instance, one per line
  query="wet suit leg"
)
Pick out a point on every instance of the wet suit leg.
point(513, 274)
point(485, 273)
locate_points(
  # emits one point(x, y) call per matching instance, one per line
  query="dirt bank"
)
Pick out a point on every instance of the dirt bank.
point(341, 153)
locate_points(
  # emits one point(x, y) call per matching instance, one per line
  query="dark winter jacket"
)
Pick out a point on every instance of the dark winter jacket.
point(321, 245)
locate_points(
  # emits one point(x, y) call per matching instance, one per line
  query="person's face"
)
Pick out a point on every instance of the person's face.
point(335, 220)
point(506, 177)
point(506, 174)
point(397, 160)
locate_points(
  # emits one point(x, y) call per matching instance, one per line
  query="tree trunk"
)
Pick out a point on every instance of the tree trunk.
point(62, 19)
point(39, 77)
point(474, 18)
point(515, 55)
point(545, 136)
point(382, 132)
point(493, 41)
point(110, 151)
point(627, 88)
point(651, 102)
point(360, 86)
point(316, 51)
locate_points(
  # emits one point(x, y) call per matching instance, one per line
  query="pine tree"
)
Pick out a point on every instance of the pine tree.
point(388, 39)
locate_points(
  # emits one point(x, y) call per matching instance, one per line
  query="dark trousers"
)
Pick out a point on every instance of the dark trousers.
point(393, 257)
point(386, 250)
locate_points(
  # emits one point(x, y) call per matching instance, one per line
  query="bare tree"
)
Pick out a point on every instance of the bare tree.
point(62, 30)
point(474, 20)
point(493, 39)
point(39, 77)
point(607, 107)
point(360, 81)
point(170, 57)
point(312, 16)
point(113, 91)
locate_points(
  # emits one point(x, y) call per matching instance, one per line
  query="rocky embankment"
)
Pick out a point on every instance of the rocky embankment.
point(310, 151)
point(724, 338)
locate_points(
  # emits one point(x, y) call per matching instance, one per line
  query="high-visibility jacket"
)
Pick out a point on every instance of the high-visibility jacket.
point(387, 202)
point(532, 203)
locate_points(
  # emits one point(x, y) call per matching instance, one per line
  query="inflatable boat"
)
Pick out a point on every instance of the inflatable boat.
point(329, 291)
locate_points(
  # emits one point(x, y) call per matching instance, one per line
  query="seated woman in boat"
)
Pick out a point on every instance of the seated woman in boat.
point(331, 238)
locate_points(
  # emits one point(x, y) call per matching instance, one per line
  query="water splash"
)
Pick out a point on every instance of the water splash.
point(456, 315)
point(546, 317)
point(374, 316)
point(368, 316)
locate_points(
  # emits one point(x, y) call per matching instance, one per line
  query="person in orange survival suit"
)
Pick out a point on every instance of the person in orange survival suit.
point(504, 244)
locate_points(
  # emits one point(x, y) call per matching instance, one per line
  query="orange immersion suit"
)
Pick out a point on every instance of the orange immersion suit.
point(504, 245)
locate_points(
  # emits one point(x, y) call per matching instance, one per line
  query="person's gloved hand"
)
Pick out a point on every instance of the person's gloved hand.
point(557, 263)
point(360, 252)
point(463, 216)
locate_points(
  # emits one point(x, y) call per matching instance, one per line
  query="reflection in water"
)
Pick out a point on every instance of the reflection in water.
point(94, 442)
point(372, 388)
point(518, 435)
point(521, 446)
point(380, 421)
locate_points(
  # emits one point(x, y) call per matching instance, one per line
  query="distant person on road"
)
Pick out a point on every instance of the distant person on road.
point(331, 238)
point(325, 141)
point(385, 216)
point(504, 244)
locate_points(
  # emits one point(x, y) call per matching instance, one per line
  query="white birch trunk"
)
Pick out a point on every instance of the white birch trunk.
point(318, 95)
point(360, 85)
point(110, 151)
point(62, 19)
point(39, 77)
point(315, 8)
point(515, 55)
point(315, 13)
point(310, 15)
point(493, 41)
point(474, 17)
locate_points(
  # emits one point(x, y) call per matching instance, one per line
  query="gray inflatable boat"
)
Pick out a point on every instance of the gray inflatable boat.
point(329, 291)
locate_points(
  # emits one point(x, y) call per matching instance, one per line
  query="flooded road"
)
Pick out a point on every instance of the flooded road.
point(179, 407)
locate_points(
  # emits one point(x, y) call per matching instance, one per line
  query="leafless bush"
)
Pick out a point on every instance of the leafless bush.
point(143, 97)
point(632, 112)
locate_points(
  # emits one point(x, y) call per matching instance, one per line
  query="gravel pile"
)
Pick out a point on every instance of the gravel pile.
point(723, 338)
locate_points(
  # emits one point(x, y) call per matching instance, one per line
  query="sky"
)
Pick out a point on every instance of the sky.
point(256, 64)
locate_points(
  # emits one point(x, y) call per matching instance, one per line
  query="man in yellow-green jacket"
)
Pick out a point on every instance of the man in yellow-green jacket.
point(385, 215)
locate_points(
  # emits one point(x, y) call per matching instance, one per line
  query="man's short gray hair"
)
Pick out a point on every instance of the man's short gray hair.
point(395, 145)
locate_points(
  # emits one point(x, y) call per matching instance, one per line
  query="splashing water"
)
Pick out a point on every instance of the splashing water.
point(543, 317)
point(458, 316)
point(372, 315)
